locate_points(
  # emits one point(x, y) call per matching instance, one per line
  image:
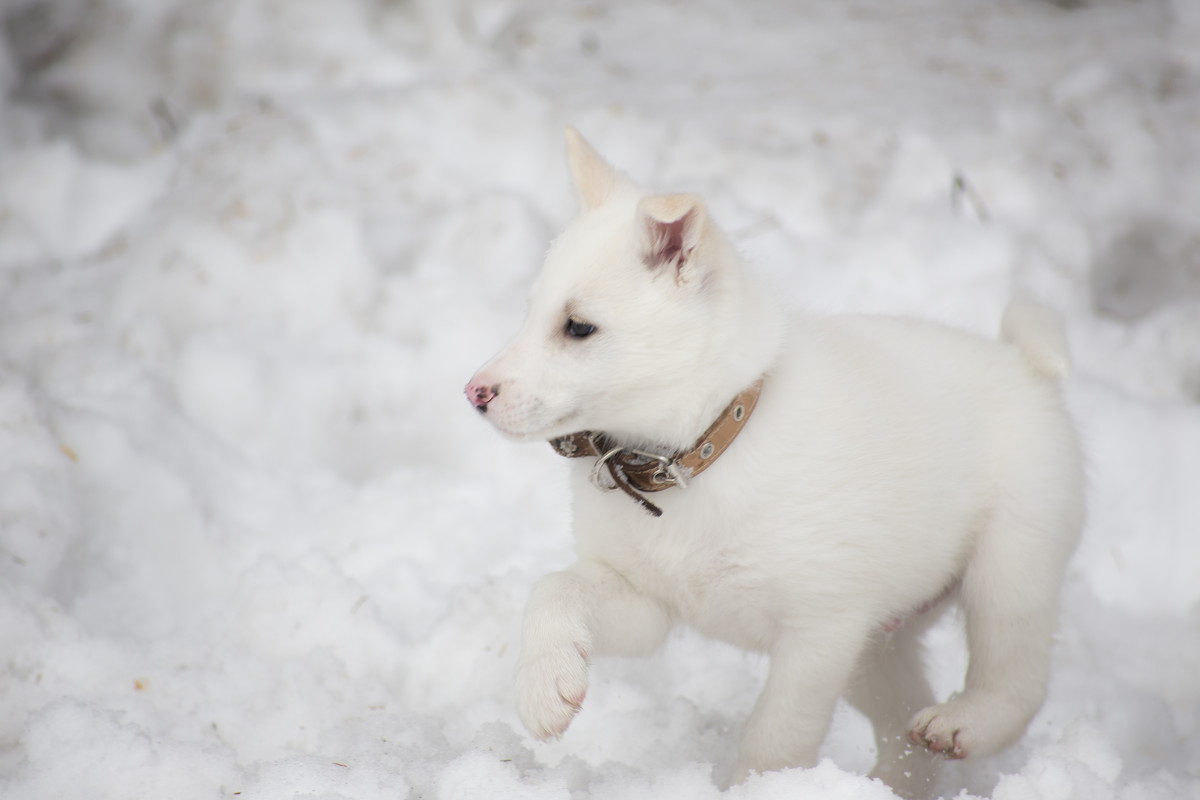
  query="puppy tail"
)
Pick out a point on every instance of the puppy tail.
point(1037, 331)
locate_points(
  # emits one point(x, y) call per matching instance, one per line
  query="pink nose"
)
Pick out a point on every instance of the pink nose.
point(480, 395)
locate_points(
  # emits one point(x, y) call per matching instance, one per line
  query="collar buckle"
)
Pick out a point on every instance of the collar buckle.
point(669, 473)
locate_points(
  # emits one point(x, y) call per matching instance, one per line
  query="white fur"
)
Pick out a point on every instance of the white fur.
point(890, 463)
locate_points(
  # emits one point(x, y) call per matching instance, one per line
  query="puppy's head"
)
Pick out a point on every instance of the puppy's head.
point(620, 320)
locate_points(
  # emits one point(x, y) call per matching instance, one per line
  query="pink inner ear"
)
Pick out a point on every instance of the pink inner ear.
point(666, 243)
point(673, 226)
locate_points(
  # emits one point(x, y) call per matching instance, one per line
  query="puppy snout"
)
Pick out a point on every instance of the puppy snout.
point(481, 394)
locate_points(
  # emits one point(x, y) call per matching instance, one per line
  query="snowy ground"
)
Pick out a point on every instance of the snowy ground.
point(254, 543)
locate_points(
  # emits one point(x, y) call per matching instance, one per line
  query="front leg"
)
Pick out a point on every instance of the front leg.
point(809, 669)
point(570, 616)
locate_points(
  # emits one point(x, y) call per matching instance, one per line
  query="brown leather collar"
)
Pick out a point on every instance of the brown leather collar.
point(634, 471)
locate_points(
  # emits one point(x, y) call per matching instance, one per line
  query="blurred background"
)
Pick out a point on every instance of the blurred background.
point(254, 543)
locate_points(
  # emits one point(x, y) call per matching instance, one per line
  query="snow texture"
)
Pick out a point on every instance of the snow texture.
point(253, 541)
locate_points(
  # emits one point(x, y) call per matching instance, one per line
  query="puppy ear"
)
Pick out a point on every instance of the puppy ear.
point(672, 225)
point(594, 179)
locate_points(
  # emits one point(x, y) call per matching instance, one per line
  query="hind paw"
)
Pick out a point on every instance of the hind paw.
point(943, 730)
point(974, 723)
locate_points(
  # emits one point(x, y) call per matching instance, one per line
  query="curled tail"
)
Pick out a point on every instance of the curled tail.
point(1038, 333)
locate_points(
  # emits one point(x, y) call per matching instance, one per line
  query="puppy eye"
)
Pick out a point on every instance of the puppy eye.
point(579, 329)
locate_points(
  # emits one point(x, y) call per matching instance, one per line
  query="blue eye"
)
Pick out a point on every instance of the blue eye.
point(578, 329)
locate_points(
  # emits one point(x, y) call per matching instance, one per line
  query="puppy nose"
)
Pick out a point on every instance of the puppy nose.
point(480, 395)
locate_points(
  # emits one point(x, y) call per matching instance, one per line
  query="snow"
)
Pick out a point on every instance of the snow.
point(254, 543)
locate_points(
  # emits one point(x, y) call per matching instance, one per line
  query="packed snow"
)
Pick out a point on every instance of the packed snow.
point(253, 541)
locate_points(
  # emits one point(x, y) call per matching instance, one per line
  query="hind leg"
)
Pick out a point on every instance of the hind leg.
point(808, 672)
point(1009, 593)
point(889, 689)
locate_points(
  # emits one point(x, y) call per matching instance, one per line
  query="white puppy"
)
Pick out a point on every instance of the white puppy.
point(888, 465)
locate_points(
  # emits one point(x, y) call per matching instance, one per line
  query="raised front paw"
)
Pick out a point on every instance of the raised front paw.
point(551, 685)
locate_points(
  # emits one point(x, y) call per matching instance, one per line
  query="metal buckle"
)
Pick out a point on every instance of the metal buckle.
point(668, 471)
